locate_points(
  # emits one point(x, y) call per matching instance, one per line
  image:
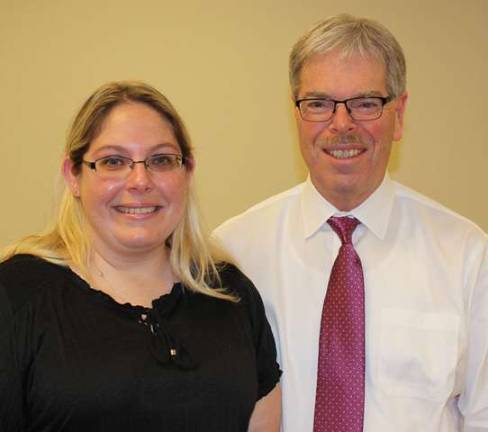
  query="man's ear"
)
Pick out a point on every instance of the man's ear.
point(401, 105)
point(70, 178)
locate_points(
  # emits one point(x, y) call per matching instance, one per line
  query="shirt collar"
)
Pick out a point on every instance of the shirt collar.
point(374, 213)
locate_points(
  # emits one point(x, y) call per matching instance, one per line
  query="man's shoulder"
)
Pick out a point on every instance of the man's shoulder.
point(444, 217)
point(263, 214)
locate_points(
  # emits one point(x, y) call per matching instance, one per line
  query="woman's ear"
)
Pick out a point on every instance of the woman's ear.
point(70, 178)
point(190, 165)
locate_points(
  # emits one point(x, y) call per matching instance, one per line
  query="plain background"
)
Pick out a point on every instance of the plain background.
point(224, 66)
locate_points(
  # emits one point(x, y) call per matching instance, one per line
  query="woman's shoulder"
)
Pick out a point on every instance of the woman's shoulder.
point(28, 267)
point(23, 276)
point(237, 283)
point(234, 281)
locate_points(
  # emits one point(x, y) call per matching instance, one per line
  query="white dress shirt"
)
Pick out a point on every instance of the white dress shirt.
point(426, 297)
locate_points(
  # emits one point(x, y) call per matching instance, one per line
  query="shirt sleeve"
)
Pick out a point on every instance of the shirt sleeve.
point(268, 372)
point(473, 402)
point(268, 369)
point(11, 399)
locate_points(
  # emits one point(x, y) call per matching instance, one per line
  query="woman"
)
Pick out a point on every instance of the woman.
point(118, 318)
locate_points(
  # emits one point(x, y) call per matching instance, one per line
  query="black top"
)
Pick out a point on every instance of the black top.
point(73, 359)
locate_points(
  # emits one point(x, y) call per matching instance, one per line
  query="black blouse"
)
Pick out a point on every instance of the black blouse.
point(73, 359)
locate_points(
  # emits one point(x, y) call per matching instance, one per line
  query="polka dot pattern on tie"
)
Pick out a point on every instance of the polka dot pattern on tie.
point(339, 402)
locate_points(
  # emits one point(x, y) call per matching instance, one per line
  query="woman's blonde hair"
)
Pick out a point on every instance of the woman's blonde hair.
point(65, 243)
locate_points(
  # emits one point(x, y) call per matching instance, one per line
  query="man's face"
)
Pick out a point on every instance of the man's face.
point(347, 158)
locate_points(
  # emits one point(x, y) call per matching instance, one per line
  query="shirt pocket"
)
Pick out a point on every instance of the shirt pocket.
point(417, 353)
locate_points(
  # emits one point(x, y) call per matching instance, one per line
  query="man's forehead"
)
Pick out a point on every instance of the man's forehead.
point(323, 75)
point(345, 55)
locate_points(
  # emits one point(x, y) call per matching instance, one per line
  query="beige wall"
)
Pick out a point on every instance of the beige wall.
point(224, 65)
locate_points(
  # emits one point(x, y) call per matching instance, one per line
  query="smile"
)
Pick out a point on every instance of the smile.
point(344, 154)
point(137, 210)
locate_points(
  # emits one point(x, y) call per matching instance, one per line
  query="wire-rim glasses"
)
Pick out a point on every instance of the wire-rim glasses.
point(115, 166)
point(359, 108)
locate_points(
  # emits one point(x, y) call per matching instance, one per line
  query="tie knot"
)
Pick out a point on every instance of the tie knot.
point(344, 227)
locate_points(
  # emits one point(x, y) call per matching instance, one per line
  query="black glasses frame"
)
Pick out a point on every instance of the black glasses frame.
point(384, 100)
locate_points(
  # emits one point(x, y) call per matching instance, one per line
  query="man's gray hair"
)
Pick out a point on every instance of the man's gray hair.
point(351, 35)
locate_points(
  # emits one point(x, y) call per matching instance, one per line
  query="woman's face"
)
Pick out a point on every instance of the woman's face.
point(131, 215)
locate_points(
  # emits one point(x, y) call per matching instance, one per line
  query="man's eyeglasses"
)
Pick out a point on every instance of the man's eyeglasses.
point(359, 108)
point(120, 166)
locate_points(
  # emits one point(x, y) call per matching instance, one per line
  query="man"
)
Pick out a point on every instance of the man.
point(424, 281)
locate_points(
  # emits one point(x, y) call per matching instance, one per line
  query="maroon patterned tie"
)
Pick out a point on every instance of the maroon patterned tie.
point(339, 401)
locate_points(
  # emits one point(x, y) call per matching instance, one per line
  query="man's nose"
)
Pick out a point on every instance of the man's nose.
point(341, 119)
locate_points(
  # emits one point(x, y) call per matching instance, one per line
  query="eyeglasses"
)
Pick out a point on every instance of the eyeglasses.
point(121, 166)
point(359, 108)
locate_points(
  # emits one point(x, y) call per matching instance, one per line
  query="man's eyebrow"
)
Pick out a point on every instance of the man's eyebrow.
point(323, 95)
point(371, 93)
point(315, 94)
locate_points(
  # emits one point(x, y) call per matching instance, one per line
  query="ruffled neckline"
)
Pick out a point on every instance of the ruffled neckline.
point(163, 345)
point(165, 303)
